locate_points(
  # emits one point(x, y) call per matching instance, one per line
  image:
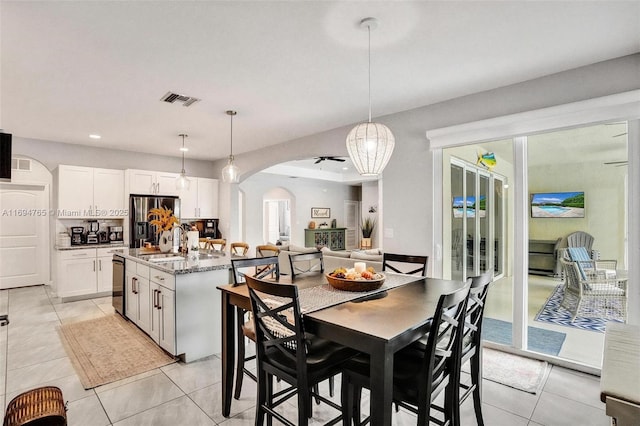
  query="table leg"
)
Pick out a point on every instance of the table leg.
point(228, 353)
point(381, 374)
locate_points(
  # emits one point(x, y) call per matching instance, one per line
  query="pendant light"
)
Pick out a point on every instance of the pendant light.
point(182, 183)
point(370, 144)
point(230, 171)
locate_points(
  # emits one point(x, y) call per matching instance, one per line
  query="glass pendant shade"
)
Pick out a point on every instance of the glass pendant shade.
point(230, 172)
point(370, 146)
point(182, 182)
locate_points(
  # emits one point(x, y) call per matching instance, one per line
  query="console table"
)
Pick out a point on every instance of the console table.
point(542, 257)
point(334, 238)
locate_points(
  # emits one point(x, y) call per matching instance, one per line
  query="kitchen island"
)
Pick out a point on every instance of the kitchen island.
point(173, 298)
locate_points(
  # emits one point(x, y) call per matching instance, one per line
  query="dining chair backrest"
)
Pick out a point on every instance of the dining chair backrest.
point(217, 244)
point(405, 264)
point(442, 352)
point(306, 263)
point(475, 311)
point(239, 248)
point(267, 250)
point(278, 324)
point(260, 267)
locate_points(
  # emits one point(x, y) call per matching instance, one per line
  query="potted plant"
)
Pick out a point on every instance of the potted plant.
point(368, 225)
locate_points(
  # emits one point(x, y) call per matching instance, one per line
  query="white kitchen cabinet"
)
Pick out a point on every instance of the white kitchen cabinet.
point(84, 273)
point(200, 200)
point(104, 270)
point(148, 182)
point(138, 296)
point(87, 192)
point(76, 273)
point(163, 317)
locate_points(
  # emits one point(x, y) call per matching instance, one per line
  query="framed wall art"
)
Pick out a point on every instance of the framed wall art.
point(320, 212)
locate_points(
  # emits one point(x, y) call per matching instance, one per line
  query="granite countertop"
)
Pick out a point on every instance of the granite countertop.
point(91, 246)
point(207, 260)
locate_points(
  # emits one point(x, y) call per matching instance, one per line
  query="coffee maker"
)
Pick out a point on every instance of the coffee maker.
point(77, 236)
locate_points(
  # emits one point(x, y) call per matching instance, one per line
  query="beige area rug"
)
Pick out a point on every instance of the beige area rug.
point(110, 348)
point(518, 372)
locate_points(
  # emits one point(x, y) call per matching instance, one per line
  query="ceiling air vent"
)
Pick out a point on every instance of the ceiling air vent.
point(174, 98)
point(21, 164)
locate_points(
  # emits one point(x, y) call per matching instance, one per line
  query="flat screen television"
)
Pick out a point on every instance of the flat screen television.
point(472, 207)
point(5, 157)
point(557, 204)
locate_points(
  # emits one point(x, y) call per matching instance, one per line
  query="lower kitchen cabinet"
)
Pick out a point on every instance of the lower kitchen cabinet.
point(138, 296)
point(180, 312)
point(83, 273)
point(163, 317)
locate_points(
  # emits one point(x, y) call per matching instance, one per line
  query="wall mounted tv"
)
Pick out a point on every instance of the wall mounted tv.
point(5, 157)
point(557, 204)
point(458, 206)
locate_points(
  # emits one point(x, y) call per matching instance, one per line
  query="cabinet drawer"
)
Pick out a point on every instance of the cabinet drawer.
point(142, 270)
point(104, 252)
point(163, 278)
point(76, 254)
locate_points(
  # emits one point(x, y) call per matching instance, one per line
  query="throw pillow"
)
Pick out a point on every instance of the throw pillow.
point(375, 251)
point(299, 249)
point(326, 251)
point(364, 256)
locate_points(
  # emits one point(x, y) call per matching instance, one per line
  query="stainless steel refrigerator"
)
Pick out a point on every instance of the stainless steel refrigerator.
point(140, 230)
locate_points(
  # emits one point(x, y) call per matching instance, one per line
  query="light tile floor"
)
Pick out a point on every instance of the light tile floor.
point(31, 355)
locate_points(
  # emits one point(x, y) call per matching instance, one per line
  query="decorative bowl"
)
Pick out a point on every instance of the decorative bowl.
point(355, 285)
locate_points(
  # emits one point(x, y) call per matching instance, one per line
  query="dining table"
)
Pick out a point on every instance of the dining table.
point(378, 323)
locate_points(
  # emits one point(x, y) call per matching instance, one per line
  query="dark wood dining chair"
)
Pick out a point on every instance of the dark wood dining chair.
point(418, 375)
point(471, 349)
point(285, 351)
point(259, 267)
point(405, 264)
point(306, 263)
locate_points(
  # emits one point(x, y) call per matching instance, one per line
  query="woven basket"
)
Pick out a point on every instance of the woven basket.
point(354, 285)
point(37, 407)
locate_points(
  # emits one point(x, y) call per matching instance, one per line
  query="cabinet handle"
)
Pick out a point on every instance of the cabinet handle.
point(154, 299)
point(134, 282)
point(159, 277)
point(79, 255)
point(100, 264)
point(94, 266)
point(159, 307)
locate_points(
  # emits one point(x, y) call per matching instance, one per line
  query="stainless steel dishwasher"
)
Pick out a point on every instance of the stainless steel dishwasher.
point(118, 291)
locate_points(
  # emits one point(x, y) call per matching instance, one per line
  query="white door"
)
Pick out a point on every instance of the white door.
point(351, 209)
point(142, 182)
point(75, 191)
point(189, 200)
point(166, 183)
point(23, 226)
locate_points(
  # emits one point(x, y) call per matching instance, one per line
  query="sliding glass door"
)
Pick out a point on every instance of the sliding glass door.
point(477, 220)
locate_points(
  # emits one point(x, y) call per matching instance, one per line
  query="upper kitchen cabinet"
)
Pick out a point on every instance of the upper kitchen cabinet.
point(87, 192)
point(147, 182)
point(200, 200)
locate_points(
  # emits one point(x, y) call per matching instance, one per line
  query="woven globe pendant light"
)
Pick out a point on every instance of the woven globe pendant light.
point(369, 144)
point(230, 172)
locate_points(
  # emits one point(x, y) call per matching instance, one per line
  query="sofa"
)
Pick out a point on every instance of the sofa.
point(332, 259)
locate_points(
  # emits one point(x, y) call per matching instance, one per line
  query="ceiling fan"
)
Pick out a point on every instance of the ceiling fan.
point(329, 157)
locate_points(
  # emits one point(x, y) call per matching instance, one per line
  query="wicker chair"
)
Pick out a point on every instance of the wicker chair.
point(590, 292)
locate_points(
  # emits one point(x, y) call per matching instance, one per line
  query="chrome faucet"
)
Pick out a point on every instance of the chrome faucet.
point(182, 248)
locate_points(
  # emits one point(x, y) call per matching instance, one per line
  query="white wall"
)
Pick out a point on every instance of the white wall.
point(307, 193)
point(51, 154)
point(407, 181)
point(604, 204)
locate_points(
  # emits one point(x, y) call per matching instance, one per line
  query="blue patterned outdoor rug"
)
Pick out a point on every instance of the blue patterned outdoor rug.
point(539, 340)
point(552, 312)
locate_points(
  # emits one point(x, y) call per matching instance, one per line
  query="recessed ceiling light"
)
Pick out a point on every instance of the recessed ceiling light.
point(95, 136)
point(345, 168)
point(184, 149)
